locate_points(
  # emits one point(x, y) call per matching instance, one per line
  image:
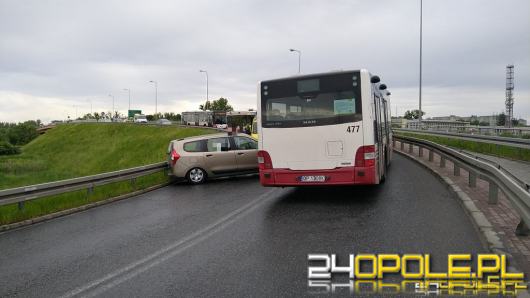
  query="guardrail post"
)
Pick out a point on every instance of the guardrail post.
point(133, 183)
point(431, 155)
point(456, 169)
point(493, 196)
point(442, 161)
point(522, 229)
point(393, 143)
point(402, 145)
point(20, 206)
point(410, 148)
point(420, 151)
point(89, 191)
point(472, 179)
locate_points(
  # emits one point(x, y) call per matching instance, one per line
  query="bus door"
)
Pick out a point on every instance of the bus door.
point(378, 135)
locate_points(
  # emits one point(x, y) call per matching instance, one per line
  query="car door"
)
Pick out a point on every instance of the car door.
point(246, 153)
point(219, 159)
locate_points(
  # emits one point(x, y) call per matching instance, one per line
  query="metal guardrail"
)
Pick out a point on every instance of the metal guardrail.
point(518, 196)
point(465, 135)
point(27, 193)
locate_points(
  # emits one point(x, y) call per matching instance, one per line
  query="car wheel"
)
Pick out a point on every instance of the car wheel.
point(196, 176)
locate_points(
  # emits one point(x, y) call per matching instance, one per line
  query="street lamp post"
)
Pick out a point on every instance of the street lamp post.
point(90, 100)
point(299, 57)
point(128, 90)
point(156, 95)
point(421, 43)
point(207, 99)
point(75, 106)
point(112, 114)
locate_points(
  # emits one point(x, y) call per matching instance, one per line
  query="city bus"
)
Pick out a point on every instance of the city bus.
point(324, 129)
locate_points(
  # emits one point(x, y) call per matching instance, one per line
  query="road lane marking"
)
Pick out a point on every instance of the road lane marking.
point(116, 277)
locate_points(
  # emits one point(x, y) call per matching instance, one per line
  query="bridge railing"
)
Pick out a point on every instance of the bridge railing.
point(483, 138)
point(515, 190)
point(32, 192)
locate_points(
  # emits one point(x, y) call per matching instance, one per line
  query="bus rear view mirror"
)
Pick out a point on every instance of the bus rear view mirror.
point(382, 87)
point(375, 79)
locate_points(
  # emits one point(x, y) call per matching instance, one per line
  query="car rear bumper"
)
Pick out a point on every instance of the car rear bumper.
point(337, 176)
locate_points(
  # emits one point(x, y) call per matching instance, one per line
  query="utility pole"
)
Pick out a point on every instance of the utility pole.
point(156, 95)
point(509, 96)
point(207, 99)
point(421, 46)
point(128, 90)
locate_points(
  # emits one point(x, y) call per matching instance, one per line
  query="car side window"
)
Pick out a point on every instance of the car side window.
point(195, 146)
point(218, 145)
point(243, 143)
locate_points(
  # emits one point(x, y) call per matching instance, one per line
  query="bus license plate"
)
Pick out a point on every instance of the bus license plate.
point(312, 178)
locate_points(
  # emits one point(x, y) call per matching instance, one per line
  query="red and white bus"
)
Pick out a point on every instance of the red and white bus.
point(324, 129)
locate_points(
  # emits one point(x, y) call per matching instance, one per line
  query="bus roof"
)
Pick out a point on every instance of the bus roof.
point(301, 76)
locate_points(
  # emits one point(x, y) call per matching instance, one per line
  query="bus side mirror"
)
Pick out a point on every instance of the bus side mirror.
point(388, 93)
point(375, 79)
point(382, 87)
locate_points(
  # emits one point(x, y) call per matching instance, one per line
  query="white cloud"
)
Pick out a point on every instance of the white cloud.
point(72, 50)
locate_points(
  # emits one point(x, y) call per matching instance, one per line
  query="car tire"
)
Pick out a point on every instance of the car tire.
point(196, 176)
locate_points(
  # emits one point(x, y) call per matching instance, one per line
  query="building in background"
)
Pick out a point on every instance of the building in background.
point(438, 125)
point(399, 122)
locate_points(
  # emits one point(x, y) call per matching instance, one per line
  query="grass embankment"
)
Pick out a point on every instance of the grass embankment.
point(479, 147)
point(76, 150)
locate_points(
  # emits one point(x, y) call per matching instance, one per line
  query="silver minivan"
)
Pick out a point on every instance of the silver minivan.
point(214, 155)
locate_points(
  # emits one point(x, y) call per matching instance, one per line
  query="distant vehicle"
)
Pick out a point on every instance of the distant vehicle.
point(197, 118)
point(198, 158)
point(140, 118)
point(254, 132)
point(163, 122)
point(324, 129)
point(222, 126)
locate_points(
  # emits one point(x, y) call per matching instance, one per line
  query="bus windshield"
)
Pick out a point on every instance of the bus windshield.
point(311, 101)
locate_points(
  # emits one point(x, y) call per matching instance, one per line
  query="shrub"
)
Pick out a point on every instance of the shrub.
point(7, 149)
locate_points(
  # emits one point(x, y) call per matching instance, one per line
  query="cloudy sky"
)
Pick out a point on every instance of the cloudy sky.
point(57, 57)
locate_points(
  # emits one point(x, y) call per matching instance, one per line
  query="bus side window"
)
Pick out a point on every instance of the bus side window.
point(376, 132)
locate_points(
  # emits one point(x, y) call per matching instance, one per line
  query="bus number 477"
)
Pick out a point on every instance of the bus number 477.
point(352, 128)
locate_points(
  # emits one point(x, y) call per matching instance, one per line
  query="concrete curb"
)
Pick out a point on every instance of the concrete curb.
point(490, 239)
point(78, 209)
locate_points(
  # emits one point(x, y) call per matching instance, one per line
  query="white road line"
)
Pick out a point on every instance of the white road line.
point(98, 286)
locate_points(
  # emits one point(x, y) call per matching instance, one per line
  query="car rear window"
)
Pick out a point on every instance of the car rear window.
point(195, 146)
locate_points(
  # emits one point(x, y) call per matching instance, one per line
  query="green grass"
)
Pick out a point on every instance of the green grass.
point(504, 151)
point(76, 150)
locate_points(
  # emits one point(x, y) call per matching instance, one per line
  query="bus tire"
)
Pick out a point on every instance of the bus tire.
point(385, 167)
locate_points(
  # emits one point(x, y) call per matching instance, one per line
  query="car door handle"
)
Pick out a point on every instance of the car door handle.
point(209, 155)
point(240, 153)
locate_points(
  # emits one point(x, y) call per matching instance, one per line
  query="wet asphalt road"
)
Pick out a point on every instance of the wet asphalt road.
point(231, 237)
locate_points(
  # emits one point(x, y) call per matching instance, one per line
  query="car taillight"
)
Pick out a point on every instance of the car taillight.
point(174, 157)
point(365, 156)
point(264, 160)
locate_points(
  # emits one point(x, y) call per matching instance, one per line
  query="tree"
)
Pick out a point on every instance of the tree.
point(413, 114)
point(221, 105)
point(501, 119)
point(172, 116)
point(474, 122)
point(22, 133)
point(96, 116)
point(206, 107)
